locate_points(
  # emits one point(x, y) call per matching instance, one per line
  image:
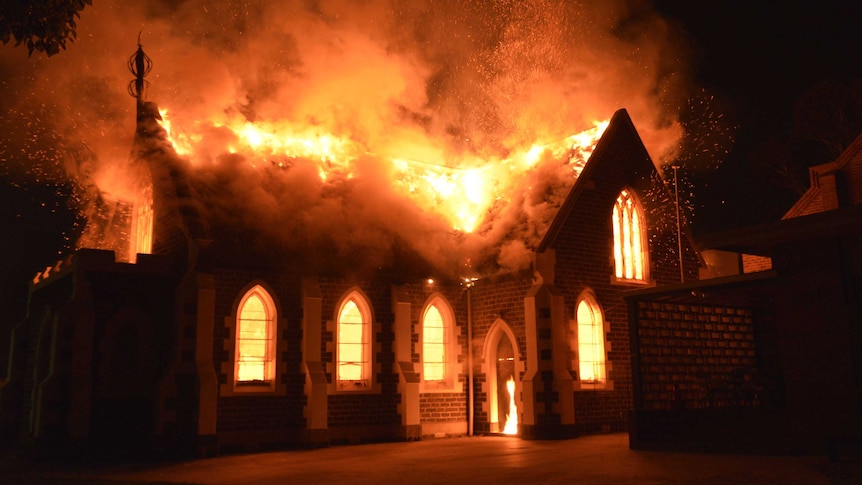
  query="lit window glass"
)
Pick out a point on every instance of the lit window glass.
point(353, 355)
point(591, 342)
point(142, 220)
point(255, 351)
point(434, 344)
point(627, 221)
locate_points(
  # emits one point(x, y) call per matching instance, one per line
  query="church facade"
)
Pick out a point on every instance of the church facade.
point(192, 350)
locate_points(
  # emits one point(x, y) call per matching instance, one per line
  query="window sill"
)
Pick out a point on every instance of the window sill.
point(439, 387)
point(594, 386)
point(249, 389)
point(632, 283)
point(355, 387)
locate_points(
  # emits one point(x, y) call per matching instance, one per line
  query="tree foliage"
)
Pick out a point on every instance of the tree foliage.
point(42, 25)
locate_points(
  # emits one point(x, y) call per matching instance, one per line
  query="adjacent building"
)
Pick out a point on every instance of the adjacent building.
point(766, 357)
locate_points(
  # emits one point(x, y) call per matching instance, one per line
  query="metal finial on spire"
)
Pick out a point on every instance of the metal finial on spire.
point(139, 65)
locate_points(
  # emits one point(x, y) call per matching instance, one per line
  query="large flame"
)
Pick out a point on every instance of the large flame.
point(448, 130)
point(460, 190)
point(511, 426)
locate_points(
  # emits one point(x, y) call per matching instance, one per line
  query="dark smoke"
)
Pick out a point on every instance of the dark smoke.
point(445, 82)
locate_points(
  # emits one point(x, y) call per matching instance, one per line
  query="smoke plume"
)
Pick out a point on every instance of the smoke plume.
point(458, 85)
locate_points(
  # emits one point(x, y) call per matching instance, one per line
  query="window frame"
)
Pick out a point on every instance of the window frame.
point(271, 383)
point(587, 297)
point(621, 250)
point(366, 381)
point(450, 380)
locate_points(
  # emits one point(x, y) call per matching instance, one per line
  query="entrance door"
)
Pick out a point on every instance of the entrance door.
point(507, 416)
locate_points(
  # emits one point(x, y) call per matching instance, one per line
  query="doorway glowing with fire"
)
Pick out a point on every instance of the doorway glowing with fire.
point(503, 367)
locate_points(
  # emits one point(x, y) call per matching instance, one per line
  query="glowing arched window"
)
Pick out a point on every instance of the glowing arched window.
point(255, 338)
point(141, 241)
point(353, 369)
point(591, 342)
point(434, 343)
point(629, 247)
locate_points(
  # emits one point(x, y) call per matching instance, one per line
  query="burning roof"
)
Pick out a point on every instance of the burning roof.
point(439, 130)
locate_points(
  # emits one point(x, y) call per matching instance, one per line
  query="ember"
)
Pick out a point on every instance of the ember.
point(454, 129)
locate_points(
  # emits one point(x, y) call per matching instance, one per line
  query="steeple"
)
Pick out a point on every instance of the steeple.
point(140, 65)
point(141, 230)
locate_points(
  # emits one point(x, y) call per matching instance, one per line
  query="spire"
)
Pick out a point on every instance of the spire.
point(139, 65)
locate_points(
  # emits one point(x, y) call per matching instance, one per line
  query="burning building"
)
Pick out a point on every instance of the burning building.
point(281, 269)
point(204, 338)
point(275, 295)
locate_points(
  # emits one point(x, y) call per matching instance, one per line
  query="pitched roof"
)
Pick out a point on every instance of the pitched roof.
point(620, 126)
point(834, 184)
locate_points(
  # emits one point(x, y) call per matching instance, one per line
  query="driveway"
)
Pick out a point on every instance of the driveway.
point(599, 459)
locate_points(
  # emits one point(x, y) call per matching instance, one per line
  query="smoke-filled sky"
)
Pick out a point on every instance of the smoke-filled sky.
point(463, 85)
point(422, 79)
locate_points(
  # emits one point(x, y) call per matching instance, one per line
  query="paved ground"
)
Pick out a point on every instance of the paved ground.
point(602, 459)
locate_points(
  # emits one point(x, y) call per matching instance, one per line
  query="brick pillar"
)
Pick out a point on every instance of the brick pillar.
point(48, 384)
point(408, 377)
point(207, 378)
point(81, 312)
point(316, 410)
point(547, 391)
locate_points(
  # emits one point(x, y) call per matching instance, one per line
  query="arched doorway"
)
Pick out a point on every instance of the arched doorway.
point(503, 367)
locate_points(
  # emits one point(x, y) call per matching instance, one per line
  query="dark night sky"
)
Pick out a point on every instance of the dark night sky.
point(756, 58)
point(759, 59)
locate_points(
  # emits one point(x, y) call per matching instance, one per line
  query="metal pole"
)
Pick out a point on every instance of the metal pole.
point(678, 223)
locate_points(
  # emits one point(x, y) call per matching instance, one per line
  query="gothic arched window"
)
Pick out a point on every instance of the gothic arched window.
point(591, 342)
point(353, 367)
point(630, 248)
point(255, 338)
point(439, 346)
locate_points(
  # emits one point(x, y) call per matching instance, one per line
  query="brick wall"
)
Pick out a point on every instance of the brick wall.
point(278, 411)
point(363, 409)
point(584, 258)
point(379, 294)
point(694, 356)
point(442, 407)
point(498, 297)
point(255, 413)
point(584, 262)
point(436, 407)
point(378, 408)
point(752, 263)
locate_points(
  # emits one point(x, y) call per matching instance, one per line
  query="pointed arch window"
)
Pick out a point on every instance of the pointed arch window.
point(255, 339)
point(592, 345)
point(439, 346)
point(141, 240)
point(353, 367)
point(433, 345)
point(630, 254)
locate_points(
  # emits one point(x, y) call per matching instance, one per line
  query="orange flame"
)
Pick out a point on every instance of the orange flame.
point(461, 193)
point(512, 416)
